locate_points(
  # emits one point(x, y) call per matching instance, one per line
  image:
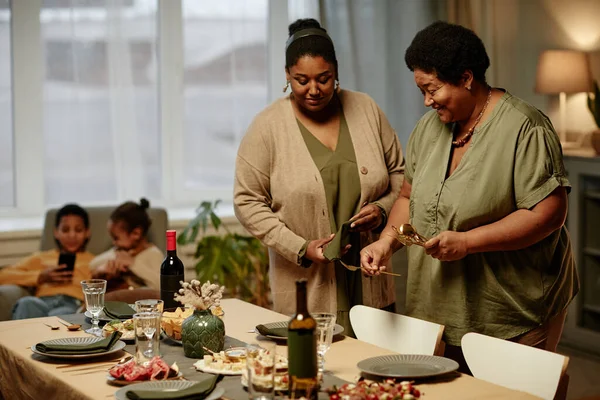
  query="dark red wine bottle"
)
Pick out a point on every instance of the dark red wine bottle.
point(171, 272)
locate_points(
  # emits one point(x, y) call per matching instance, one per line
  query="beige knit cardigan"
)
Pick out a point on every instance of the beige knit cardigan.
point(279, 196)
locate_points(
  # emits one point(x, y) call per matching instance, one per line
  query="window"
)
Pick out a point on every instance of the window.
point(100, 124)
point(7, 194)
point(113, 100)
point(225, 86)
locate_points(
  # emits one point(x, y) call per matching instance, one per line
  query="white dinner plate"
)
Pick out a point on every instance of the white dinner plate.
point(407, 366)
point(200, 367)
point(119, 345)
point(337, 329)
point(167, 386)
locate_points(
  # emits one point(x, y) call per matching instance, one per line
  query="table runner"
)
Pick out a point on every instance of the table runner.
point(173, 352)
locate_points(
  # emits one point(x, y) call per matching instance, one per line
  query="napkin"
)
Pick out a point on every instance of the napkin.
point(91, 348)
point(196, 392)
point(263, 330)
point(118, 310)
point(340, 241)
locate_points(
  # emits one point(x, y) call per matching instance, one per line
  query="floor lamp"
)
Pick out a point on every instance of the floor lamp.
point(563, 72)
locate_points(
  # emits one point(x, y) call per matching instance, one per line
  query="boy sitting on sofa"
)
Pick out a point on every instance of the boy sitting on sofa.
point(58, 291)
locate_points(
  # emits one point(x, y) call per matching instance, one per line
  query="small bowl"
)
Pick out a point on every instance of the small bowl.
point(171, 321)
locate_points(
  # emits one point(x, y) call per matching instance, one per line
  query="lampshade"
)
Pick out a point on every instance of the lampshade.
point(565, 71)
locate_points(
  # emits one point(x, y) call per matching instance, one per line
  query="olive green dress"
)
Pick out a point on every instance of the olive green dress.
point(339, 172)
point(513, 162)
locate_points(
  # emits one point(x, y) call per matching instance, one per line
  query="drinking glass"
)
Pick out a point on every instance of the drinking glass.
point(94, 290)
point(260, 368)
point(149, 305)
point(147, 327)
point(325, 324)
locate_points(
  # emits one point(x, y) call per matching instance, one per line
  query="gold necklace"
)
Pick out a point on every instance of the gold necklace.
point(467, 137)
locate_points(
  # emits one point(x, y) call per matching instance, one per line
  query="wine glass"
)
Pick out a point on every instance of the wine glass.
point(324, 330)
point(94, 290)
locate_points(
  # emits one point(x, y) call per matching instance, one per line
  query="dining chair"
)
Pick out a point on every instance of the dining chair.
point(396, 332)
point(515, 366)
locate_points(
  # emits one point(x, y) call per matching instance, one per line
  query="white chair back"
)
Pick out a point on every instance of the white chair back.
point(514, 365)
point(399, 333)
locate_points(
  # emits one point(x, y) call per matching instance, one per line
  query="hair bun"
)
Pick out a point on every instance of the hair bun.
point(144, 203)
point(303, 23)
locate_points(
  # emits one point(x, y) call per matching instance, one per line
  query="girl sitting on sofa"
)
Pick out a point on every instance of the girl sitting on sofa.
point(133, 261)
point(57, 290)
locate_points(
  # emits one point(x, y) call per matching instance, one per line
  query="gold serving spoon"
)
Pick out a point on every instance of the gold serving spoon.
point(407, 235)
point(71, 327)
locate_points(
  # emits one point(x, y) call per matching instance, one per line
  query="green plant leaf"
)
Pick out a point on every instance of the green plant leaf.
point(237, 261)
point(594, 104)
point(216, 221)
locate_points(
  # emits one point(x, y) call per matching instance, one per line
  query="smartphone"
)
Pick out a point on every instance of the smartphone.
point(67, 259)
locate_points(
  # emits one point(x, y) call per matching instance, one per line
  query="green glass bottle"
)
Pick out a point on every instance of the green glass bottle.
point(302, 349)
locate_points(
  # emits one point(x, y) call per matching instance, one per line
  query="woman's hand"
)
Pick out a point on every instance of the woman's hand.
point(55, 274)
point(374, 256)
point(448, 246)
point(314, 250)
point(368, 218)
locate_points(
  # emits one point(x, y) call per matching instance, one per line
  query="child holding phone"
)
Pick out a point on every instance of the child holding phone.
point(56, 274)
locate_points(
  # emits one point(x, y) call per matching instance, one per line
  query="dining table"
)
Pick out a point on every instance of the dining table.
point(26, 375)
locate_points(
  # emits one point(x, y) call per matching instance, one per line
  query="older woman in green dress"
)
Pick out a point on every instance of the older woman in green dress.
point(316, 174)
point(485, 182)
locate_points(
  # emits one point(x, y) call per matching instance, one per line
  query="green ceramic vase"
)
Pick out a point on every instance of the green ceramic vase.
point(202, 330)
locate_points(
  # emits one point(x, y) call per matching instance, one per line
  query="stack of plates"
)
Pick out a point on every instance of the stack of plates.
point(167, 386)
point(119, 345)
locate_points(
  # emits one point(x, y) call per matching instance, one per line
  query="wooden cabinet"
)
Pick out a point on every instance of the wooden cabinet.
point(582, 328)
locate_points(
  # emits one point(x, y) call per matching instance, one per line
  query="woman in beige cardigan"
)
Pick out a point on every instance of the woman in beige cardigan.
point(316, 174)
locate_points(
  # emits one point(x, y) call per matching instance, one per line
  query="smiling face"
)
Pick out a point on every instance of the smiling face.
point(313, 82)
point(71, 233)
point(122, 239)
point(452, 102)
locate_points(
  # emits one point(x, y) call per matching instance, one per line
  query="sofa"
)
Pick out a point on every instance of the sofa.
point(100, 241)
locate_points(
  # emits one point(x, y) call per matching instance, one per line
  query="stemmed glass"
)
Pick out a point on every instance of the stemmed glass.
point(94, 290)
point(325, 325)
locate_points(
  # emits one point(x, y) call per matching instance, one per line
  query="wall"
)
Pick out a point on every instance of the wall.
point(553, 24)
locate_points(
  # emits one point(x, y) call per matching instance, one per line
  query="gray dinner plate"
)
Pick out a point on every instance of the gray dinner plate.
point(407, 366)
point(167, 386)
point(337, 329)
point(119, 345)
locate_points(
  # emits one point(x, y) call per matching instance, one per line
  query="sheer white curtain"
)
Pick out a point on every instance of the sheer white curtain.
point(101, 139)
point(371, 37)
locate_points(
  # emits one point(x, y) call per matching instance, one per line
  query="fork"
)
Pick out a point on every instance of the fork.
point(353, 268)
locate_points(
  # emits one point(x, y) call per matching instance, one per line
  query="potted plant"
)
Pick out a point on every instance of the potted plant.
point(238, 262)
point(594, 106)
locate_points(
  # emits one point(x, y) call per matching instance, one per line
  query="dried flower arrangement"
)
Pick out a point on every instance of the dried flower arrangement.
point(206, 296)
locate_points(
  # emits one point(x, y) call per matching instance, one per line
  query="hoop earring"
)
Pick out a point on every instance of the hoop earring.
point(287, 85)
